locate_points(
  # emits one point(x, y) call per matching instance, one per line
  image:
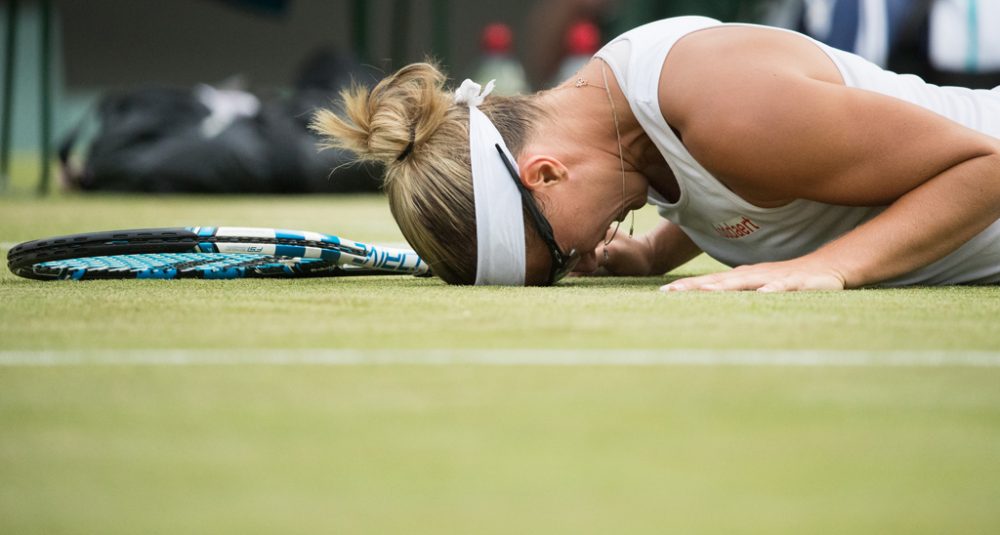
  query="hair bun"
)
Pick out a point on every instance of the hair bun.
point(388, 123)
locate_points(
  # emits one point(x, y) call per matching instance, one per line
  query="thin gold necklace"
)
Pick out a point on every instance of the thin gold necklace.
point(580, 82)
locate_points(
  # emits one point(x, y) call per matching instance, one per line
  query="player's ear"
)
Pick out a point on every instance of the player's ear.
point(540, 171)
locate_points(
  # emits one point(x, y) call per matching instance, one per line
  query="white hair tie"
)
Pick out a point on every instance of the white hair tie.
point(500, 252)
point(469, 92)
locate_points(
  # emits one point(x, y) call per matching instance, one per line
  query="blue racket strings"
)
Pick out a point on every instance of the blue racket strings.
point(173, 265)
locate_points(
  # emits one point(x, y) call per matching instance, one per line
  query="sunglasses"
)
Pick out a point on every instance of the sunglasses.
point(561, 263)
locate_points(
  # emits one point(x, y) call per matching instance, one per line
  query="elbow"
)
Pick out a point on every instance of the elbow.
point(991, 161)
point(987, 181)
point(982, 165)
point(991, 152)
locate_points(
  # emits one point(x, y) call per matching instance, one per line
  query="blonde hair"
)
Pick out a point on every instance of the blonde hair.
point(430, 189)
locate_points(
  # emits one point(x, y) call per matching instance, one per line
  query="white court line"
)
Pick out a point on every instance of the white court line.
point(499, 357)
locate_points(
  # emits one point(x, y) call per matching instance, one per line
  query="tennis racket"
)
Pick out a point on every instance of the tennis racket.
point(206, 253)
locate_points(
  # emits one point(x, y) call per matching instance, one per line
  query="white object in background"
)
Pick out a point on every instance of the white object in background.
point(225, 106)
point(872, 39)
point(582, 41)
point(818, 18)
point(498, 61)
point(872, 42)
point(965, 35)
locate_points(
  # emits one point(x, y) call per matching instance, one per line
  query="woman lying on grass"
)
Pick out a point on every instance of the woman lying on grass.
point(806, 167)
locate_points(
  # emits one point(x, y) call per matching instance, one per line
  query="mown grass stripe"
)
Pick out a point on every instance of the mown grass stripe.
point(499, 357)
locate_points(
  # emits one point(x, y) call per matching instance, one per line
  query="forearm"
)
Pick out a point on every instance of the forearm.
point(652, 253)
point(922, 226)
point(669, 248)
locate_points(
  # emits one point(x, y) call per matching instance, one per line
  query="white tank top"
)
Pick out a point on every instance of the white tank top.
point(735, 232)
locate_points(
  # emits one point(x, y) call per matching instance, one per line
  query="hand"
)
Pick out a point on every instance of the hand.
point(790, 275)
point(626, 257)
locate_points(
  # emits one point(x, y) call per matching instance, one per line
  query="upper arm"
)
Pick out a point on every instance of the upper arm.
point(758, 118)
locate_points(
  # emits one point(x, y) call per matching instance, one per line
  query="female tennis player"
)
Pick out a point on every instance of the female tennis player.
point(805, 167)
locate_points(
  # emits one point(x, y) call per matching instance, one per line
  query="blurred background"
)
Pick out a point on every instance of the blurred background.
point(214, 95)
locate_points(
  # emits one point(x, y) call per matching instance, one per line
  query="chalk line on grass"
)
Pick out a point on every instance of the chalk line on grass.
point(499, 357)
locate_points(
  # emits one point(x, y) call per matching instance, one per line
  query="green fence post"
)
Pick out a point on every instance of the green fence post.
point(441, 31)
point(359, 30)
point(400, 32)
point(45, 80)
point(8, 93)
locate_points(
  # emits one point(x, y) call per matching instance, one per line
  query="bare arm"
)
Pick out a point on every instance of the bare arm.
point(768, 121)
point(653, 253)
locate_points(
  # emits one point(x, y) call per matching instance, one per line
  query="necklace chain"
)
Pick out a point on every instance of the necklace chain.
point(621, 159)
point(580, 82)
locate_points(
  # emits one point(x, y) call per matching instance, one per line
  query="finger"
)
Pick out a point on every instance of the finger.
point(690, 283)
point(680, 285)
point(794, 282)
point(798, 282)
point(611, 233)
point(775, 286)
point(736, 282)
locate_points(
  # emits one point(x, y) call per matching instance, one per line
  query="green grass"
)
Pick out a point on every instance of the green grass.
point(498, 450)
point(396, 312)
point(25, 173)
point(471, 449)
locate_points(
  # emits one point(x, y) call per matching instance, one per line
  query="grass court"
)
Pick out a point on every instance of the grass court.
point(212, 430)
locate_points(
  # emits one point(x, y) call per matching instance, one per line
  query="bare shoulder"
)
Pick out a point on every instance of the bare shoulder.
point(767, 113)
point(714, 65)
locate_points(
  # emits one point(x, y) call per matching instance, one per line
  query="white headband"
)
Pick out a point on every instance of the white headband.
point(499, 214)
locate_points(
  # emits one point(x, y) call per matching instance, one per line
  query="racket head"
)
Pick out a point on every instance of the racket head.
point(184, 266)
point(205, 252)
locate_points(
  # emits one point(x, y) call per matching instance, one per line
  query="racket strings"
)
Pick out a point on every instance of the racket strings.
point(203, 263)
point(209, 252)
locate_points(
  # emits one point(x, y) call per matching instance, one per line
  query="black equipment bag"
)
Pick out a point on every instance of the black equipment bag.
point(167, 140)
point(152, 140)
